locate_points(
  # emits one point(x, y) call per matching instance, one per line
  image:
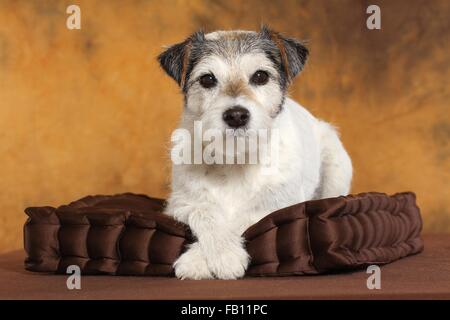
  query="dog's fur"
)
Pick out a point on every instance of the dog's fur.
point(219, 202)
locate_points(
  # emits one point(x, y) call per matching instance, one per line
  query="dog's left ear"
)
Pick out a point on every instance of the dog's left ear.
point(175, 59)
point(292, 52)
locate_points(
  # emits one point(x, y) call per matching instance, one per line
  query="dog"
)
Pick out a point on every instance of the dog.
point(235, 81)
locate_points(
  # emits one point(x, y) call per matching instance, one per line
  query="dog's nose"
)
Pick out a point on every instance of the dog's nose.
point(236, 116)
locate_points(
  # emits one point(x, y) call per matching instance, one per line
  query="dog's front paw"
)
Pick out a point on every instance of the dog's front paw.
point(229, 264)
point(192, 265)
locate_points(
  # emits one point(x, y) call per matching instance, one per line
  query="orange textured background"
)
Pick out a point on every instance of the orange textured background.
point(89, 111)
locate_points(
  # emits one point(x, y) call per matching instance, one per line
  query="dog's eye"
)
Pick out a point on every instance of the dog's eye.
point(208, 81)
point(259, 78)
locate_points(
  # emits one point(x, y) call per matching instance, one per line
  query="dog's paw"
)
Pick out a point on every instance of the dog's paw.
point(192, 265)
point(229, 264)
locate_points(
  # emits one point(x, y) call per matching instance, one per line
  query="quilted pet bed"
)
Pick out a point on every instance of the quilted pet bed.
point(127, 234)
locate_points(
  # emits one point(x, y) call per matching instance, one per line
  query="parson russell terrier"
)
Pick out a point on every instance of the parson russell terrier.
point(235, 82)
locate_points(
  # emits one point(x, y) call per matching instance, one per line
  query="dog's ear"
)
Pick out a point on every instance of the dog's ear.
point(175, 59)
point(293, 53)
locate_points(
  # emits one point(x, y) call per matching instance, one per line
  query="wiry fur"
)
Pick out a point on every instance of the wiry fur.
point(219, 202)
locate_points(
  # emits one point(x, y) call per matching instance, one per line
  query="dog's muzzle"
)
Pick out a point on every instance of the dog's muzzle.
point(236, 116)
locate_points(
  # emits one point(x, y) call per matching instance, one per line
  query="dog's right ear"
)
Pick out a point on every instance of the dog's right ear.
point(293, 53)
point(176, 59)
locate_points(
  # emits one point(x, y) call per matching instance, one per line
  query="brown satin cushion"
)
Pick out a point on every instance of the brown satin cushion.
point(127, 234)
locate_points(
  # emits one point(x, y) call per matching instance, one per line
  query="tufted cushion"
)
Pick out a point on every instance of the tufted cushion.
point(127, 234)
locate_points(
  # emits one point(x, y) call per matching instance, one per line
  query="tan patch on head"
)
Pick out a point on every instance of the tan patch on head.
point(229, 35)
point(239, 87)
point(234, 35)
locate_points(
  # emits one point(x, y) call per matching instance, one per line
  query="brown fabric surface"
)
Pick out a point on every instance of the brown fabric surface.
point(425, 276)
point(127, 234)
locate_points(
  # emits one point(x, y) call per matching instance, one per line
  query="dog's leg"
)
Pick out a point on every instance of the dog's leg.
point(336, 166)
point(192, 264)
point(222, 246)
point(219, 249)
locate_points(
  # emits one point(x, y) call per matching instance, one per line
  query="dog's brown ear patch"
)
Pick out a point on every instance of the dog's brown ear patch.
point(186, 55)
point(293, 53)
point(175, 59)
point(276, 38)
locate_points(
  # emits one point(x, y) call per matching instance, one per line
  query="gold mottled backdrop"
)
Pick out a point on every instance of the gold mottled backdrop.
point(89, 111)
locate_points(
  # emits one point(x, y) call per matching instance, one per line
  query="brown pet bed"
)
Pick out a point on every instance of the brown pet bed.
point(127, 234)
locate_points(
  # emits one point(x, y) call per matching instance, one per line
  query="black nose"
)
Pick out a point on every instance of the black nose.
point(236, 116)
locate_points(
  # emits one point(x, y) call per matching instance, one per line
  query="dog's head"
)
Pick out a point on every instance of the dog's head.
point(234, 79)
